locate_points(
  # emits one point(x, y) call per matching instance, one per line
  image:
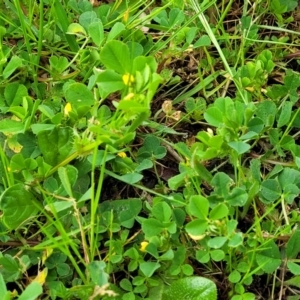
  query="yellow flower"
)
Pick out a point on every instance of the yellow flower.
point(129, 96)
point(128, 79)
point(41, 277)
point(67, 109)
point(122, 154)
point(143, 246)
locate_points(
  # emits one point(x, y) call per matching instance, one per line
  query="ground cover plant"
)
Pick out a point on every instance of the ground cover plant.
point(149, 149)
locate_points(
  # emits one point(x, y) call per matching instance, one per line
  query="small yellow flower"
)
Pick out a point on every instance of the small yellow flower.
point(126, 15)
point(129, 96)
point(67, 109)
point(122, 154)
point(41, 277)
point(143, 246)
point(128, 79)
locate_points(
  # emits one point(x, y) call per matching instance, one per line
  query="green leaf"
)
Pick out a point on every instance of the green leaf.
point(56, 145)
point(234, 276)
point(192, 288)
point(203, 41)
point(68, 176)
point(96, 32)
point(115, 55)
point(214, 116)
point(14, 63)
point(115, 31)
point(266, 111)
point(11, 126)
point(288, 176)
point(75, 28)
point(126, 285)
point(125, 210)
point(79, 95)
point(238, 197)
point(293, 245)
point(293, 268)
point(152, 227)
point(62, 21)
point(131, 178)
point(217, 242)
point(269, 259)
point(295, 281)
point(109, 82)
point(3, 289)
point(270, 190)
point(256, 125)
point(239, 147)
point(97, 272)
point(10, 269)
point(236, 240)
point(87, 18)
point(17, 205)
point(148, 268)
point(32, 291)
point(198, 207)
point(217, 254)
point(176, 17)
point(196, 228)
point(37, 128)
point(222, 182)
point(219, 212)
point(285, 114)
point(162, 211)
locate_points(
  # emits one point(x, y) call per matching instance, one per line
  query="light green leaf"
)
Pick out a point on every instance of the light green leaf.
point(217, 242)
point(74, 28)
point(162, 211)
point(14, 63)
point(238, 197)
point(131, 178)
point(214, 116)
point(17, 205)
point(115, 55)
point(14, 93)
point(96, 32)
point(239, 147)
point(152, 227)
point(192, 288)
point(293, 245)
point(97, 272)
point(115, 31)
point(293, 268)
point(87, 18)
point(11, 126)
point(32, 291)
point(68, 176)
point(219, 212)
point(198, 207)
point(79, 95)
point(295, 281)
point(109, 82)
point(196, 228)
point(148, 268)
point(285, 114)
point(203, 41)
point(37, 128)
